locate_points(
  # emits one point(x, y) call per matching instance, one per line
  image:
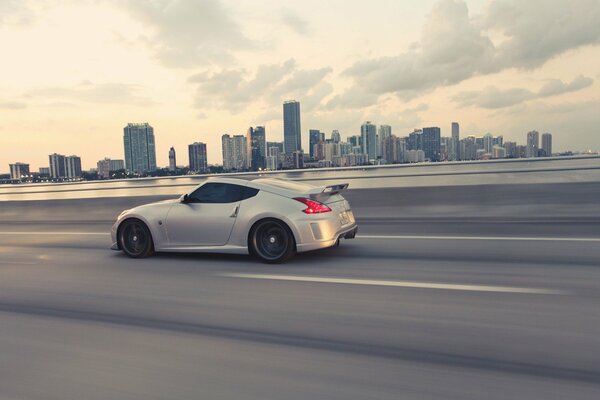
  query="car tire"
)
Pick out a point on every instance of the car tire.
point(135, 239)
point(272, 241)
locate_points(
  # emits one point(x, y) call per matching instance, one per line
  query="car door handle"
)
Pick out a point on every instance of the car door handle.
point(235, 212)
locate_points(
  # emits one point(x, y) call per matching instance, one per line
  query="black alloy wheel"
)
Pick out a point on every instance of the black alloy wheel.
point(135, 239)
point(272, 241)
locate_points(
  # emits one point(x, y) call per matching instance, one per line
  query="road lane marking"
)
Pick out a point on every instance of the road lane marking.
point(392, 237)
point(405, 284)
point(505, 238)
point(54, 233)
point(18, 262)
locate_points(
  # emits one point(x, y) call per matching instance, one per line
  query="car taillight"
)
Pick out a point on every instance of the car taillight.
point(313, 207)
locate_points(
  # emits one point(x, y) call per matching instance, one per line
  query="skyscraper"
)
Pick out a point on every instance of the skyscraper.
point(314, 137)
point(385, 131)
point(335, 136)
point(18, 170)
point(368, 132)
point(73, 166)
point(292, 137)
point(140, 152)
point(415, 140)
point(533, 144)
point(58, 167)
point(431, 143)
point(235, 152)
point(547, 144)
point(454, 153)
point(172, 159)
point(197, 157)
point(257, 148)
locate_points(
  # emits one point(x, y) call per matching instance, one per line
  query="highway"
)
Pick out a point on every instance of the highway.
point(453, 292)
point(412, 308)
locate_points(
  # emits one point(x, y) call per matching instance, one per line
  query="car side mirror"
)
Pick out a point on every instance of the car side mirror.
point(185, 198)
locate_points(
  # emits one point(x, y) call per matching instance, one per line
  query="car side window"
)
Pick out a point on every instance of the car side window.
point(249, 192)
point(216, 193)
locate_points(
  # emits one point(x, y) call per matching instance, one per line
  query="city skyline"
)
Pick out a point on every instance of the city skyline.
point(196, 70)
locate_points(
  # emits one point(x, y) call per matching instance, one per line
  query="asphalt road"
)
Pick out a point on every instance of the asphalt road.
point(411, 309)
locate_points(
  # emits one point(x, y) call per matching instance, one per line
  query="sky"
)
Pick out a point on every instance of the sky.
point(74, 73)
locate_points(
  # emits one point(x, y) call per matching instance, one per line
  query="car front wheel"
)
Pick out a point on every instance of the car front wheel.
point(135, 239)
point(272, 241)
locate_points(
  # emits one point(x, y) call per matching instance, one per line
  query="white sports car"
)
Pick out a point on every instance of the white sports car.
point(269, 218)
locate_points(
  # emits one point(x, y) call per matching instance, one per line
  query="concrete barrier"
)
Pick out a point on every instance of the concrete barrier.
point(531, 201)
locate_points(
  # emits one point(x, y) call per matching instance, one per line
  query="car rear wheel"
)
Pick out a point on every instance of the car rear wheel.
point(135, 239)
point(272, 241)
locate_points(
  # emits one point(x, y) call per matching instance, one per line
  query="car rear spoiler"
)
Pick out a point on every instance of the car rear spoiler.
point(322, 191)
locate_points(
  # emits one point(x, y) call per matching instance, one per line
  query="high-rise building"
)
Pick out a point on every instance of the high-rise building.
point(454, 144)
point(172, 159)
point(498, 152)
point(431, 143)
point(235, 152)
point(415, 140)
point(511, 149)
point(292, 137)
point(58, 166)
point(140, 151)
point(257, 148)
point(19, 170)
point(547, 144)
point(73, 166)
point(197, 157)
point(335, 136)
point(273, 154)
point(368, 133)
point(279, 145)
point(385, 131)
point(314, 137)
point(533, 144)
point(355, 140)
point(488, 143)
point(468, 148)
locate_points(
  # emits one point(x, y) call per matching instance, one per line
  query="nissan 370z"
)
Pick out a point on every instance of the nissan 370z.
point(271, 219)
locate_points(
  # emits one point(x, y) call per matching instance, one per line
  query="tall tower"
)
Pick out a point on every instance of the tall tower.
point(368, 132)
point(533, 144)
point(547, 144)
point(58, 166)
point(431, 143)
point(140, 151)
point(257, 148)
point(385, 131)
point(197, 157)
point(172, 159)
point(291, 126)
point(455, 142)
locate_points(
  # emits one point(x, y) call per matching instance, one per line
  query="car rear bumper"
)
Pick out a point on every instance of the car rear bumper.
point(347, 232)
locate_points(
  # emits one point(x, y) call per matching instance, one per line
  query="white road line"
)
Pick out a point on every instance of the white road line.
point(391, 237)
point(18, 262)
point(54, 233)
point(405, 284)
point(506, 238)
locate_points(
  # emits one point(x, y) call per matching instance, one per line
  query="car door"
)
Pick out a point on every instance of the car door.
point(206, 218)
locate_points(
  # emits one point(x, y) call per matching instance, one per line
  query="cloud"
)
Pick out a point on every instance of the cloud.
point(12, 105)
point(492, 97)
point(189, 33)
point(454, 47)
point(295, 23)
point(86, 91)
point(236, 89)
point(15, 12)
point(556, 86)
point(451, 49)
point(537, 30)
